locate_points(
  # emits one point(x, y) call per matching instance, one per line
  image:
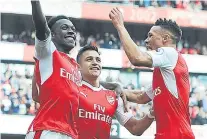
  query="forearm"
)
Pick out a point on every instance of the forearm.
point(137, 96)
point(40, 23)
point(130, 48)
point(137, 127)
point(109, 85)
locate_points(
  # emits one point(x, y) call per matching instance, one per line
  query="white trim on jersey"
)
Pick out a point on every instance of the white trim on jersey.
point(92, 87)
point(166, 59)
point(122, 117)
point(44, 53)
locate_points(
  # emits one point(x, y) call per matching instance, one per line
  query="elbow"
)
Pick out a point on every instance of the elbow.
point(137, 133)
point(136, 61)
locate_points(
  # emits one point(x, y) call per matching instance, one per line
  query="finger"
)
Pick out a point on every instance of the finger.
point(113, 11)
point(117, 9)
point(111, 15)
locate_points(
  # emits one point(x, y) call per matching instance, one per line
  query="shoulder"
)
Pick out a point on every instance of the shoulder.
point(166, 51)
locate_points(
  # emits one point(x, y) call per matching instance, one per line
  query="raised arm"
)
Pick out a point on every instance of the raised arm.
point(135, 55)
point(40, 23)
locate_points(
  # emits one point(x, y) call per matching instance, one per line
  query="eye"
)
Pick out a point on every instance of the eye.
point(150, 35)
point(89, 59)
point(73, 28)
point(98, 60)
point(64, 27)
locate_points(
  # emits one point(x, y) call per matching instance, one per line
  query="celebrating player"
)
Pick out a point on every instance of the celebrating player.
point(57, 77)
point(170, 87)
point(97, 105)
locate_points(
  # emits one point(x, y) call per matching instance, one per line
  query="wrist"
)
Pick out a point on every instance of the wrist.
point(120, 28)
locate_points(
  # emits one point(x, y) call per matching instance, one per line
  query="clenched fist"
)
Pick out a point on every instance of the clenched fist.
point(116, 17)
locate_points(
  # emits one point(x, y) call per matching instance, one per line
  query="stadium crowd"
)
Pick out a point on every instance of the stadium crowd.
point(195, 5)
point(105, 40)
point(16, 97)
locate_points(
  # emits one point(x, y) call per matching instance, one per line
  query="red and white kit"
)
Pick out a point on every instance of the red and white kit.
point(170, 93)
point(58, 78)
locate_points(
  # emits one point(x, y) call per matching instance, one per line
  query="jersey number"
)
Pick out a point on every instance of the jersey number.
point(115, 130)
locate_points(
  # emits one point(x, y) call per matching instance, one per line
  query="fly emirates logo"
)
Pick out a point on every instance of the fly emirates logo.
point(97, 114)
point(73, 77)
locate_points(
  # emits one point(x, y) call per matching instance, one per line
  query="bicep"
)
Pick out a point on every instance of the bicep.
point(143, 60)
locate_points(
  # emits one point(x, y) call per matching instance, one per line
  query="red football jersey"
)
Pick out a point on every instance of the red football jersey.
point(58, 78)
point(96, 108)
point(170, 95)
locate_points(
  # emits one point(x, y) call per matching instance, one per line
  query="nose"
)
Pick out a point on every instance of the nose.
point(146, 41)
point(70, 31)
point(94, 63)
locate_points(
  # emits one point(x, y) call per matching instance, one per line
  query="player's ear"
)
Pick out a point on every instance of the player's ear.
point(166, 37)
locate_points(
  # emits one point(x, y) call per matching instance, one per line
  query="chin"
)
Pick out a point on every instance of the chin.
point(70, 46)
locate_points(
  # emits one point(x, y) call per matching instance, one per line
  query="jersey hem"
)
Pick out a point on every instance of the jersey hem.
point(55, 130)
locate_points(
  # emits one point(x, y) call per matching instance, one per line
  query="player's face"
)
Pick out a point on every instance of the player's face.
point(90, 64)
point(154, 38)
point(64, 34)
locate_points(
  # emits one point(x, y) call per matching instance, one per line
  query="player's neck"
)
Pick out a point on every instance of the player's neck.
point(60, 49)
point(93, 82)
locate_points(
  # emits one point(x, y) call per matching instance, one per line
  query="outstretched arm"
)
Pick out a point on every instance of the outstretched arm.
point(133, 125)
point(109, 85)
point(40, 23)
point(137, 96)
point(137, 127)
point(135, 55)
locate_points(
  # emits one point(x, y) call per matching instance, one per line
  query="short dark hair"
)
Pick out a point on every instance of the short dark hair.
point(54, 19)
point(171, 26)
point(86, 48)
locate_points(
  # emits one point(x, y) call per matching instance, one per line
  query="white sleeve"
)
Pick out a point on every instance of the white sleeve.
point(120, 115)
point(165, 57)
point(44, 48)
point(149, 92)
point(44, 53)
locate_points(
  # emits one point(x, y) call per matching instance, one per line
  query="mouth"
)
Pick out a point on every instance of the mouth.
point(148, 47)
point(70, 37)
point(95, 68)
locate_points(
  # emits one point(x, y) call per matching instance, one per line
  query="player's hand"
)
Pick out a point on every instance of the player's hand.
point(116, 17)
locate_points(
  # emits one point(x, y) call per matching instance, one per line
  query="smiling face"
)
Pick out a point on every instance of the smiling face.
point(90, 64)
point(64, 34)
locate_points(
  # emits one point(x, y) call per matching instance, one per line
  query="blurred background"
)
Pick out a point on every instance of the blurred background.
point(93, 25)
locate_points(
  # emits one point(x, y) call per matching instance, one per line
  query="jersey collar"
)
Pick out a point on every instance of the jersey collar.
point(92, 87)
